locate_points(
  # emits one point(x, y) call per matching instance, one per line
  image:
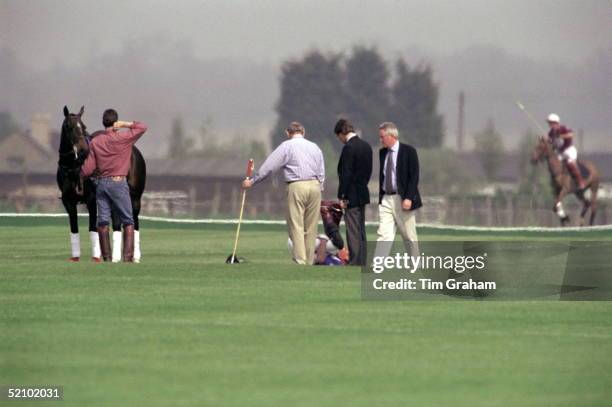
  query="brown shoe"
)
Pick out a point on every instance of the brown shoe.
point(105, 249)
point(128, 243)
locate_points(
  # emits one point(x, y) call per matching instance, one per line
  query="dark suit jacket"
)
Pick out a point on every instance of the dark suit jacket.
point(354, 172)
point(407, 173)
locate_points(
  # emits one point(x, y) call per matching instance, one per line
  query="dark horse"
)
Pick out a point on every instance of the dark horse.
point(73, 150)
point(564, 184)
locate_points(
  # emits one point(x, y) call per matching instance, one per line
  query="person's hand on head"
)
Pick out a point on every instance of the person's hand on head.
point(120, 124)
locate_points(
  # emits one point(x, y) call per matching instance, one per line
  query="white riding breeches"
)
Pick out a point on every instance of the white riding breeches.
point(570, 154)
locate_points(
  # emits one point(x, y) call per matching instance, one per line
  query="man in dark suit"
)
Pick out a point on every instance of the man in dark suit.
point(398, 195)
point(354, 172)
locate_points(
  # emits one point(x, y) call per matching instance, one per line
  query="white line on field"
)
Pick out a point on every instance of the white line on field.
point(282, 222)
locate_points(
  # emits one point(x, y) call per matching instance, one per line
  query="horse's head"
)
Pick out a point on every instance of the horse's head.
point(542, 150)
point(74, 134)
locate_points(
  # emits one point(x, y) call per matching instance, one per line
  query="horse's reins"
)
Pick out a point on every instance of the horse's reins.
point(74, 167)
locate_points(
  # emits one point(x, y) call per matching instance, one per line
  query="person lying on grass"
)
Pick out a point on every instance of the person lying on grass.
point(326, 254)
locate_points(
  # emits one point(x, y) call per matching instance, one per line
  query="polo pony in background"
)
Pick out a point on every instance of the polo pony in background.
point(563, 183)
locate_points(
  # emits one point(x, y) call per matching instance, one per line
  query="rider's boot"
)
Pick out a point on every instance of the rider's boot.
point(104, 242)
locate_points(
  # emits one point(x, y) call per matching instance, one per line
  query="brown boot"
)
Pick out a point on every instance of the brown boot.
point(105, 248)
point(128, 243)
point(573, 169)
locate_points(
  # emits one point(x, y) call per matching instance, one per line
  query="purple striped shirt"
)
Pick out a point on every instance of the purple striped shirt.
point(299, 158)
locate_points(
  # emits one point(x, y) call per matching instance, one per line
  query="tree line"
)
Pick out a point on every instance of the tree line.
point(320, 87)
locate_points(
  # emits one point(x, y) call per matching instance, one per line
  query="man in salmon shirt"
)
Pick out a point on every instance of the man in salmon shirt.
point(109, 155)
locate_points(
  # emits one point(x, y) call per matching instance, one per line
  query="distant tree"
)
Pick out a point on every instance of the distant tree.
point(207, 134)
point(525, 150)
point(442, 172)
point(8, 125)
point(316, 90)
point(330, 157)
point(490, 148)
point(368, 99)
point(240, 145)
point(415, 106)
point(180, 145)
point(311, 92)
point(247, 148)
point(255, 150)
point(534, 181)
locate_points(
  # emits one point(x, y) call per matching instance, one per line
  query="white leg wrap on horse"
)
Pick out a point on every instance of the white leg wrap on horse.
point(116, 247)
point(95, 244)
point(137, 253)
point(560, 211)
point(75, 243)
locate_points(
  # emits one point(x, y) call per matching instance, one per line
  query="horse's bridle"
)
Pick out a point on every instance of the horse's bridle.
point(82, 130)
point(542, 150)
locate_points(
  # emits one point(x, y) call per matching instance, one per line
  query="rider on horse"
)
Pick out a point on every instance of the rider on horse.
point(561, 138)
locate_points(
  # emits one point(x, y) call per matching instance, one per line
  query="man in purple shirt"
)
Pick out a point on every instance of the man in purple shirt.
point(304, 172)
point(109, 154)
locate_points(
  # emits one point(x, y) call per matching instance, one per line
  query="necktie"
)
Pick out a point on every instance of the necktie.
point(389, 173)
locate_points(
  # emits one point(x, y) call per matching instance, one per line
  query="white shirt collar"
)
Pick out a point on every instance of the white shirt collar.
point(350, 136)
point(395, 146)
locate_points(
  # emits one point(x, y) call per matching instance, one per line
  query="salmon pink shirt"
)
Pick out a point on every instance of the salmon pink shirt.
point(111, 150)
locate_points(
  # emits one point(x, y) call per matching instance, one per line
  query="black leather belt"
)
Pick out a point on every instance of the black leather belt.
point(390, 193)
point(301, 180)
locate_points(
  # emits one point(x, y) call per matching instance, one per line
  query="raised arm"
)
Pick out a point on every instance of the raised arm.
point(134, 130)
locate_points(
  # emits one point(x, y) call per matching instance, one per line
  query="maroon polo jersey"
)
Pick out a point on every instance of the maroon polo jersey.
point(555, 138)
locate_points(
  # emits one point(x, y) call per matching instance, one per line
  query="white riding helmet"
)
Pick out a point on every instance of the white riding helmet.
point(553, 118)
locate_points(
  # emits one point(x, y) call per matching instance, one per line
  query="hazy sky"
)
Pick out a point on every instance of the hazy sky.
point(65, 31)
point(221, 59)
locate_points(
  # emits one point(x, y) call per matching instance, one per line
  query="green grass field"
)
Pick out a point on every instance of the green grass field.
point(184, 329)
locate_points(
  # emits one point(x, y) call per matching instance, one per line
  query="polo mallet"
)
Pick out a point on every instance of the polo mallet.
point(249, 172)
point(520, 106)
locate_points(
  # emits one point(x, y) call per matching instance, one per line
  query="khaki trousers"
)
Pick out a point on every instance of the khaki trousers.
point(390, 216)
point(304, 204)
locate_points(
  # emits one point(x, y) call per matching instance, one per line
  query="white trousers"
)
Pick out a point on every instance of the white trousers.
point(391, 216)
point(570, 154)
